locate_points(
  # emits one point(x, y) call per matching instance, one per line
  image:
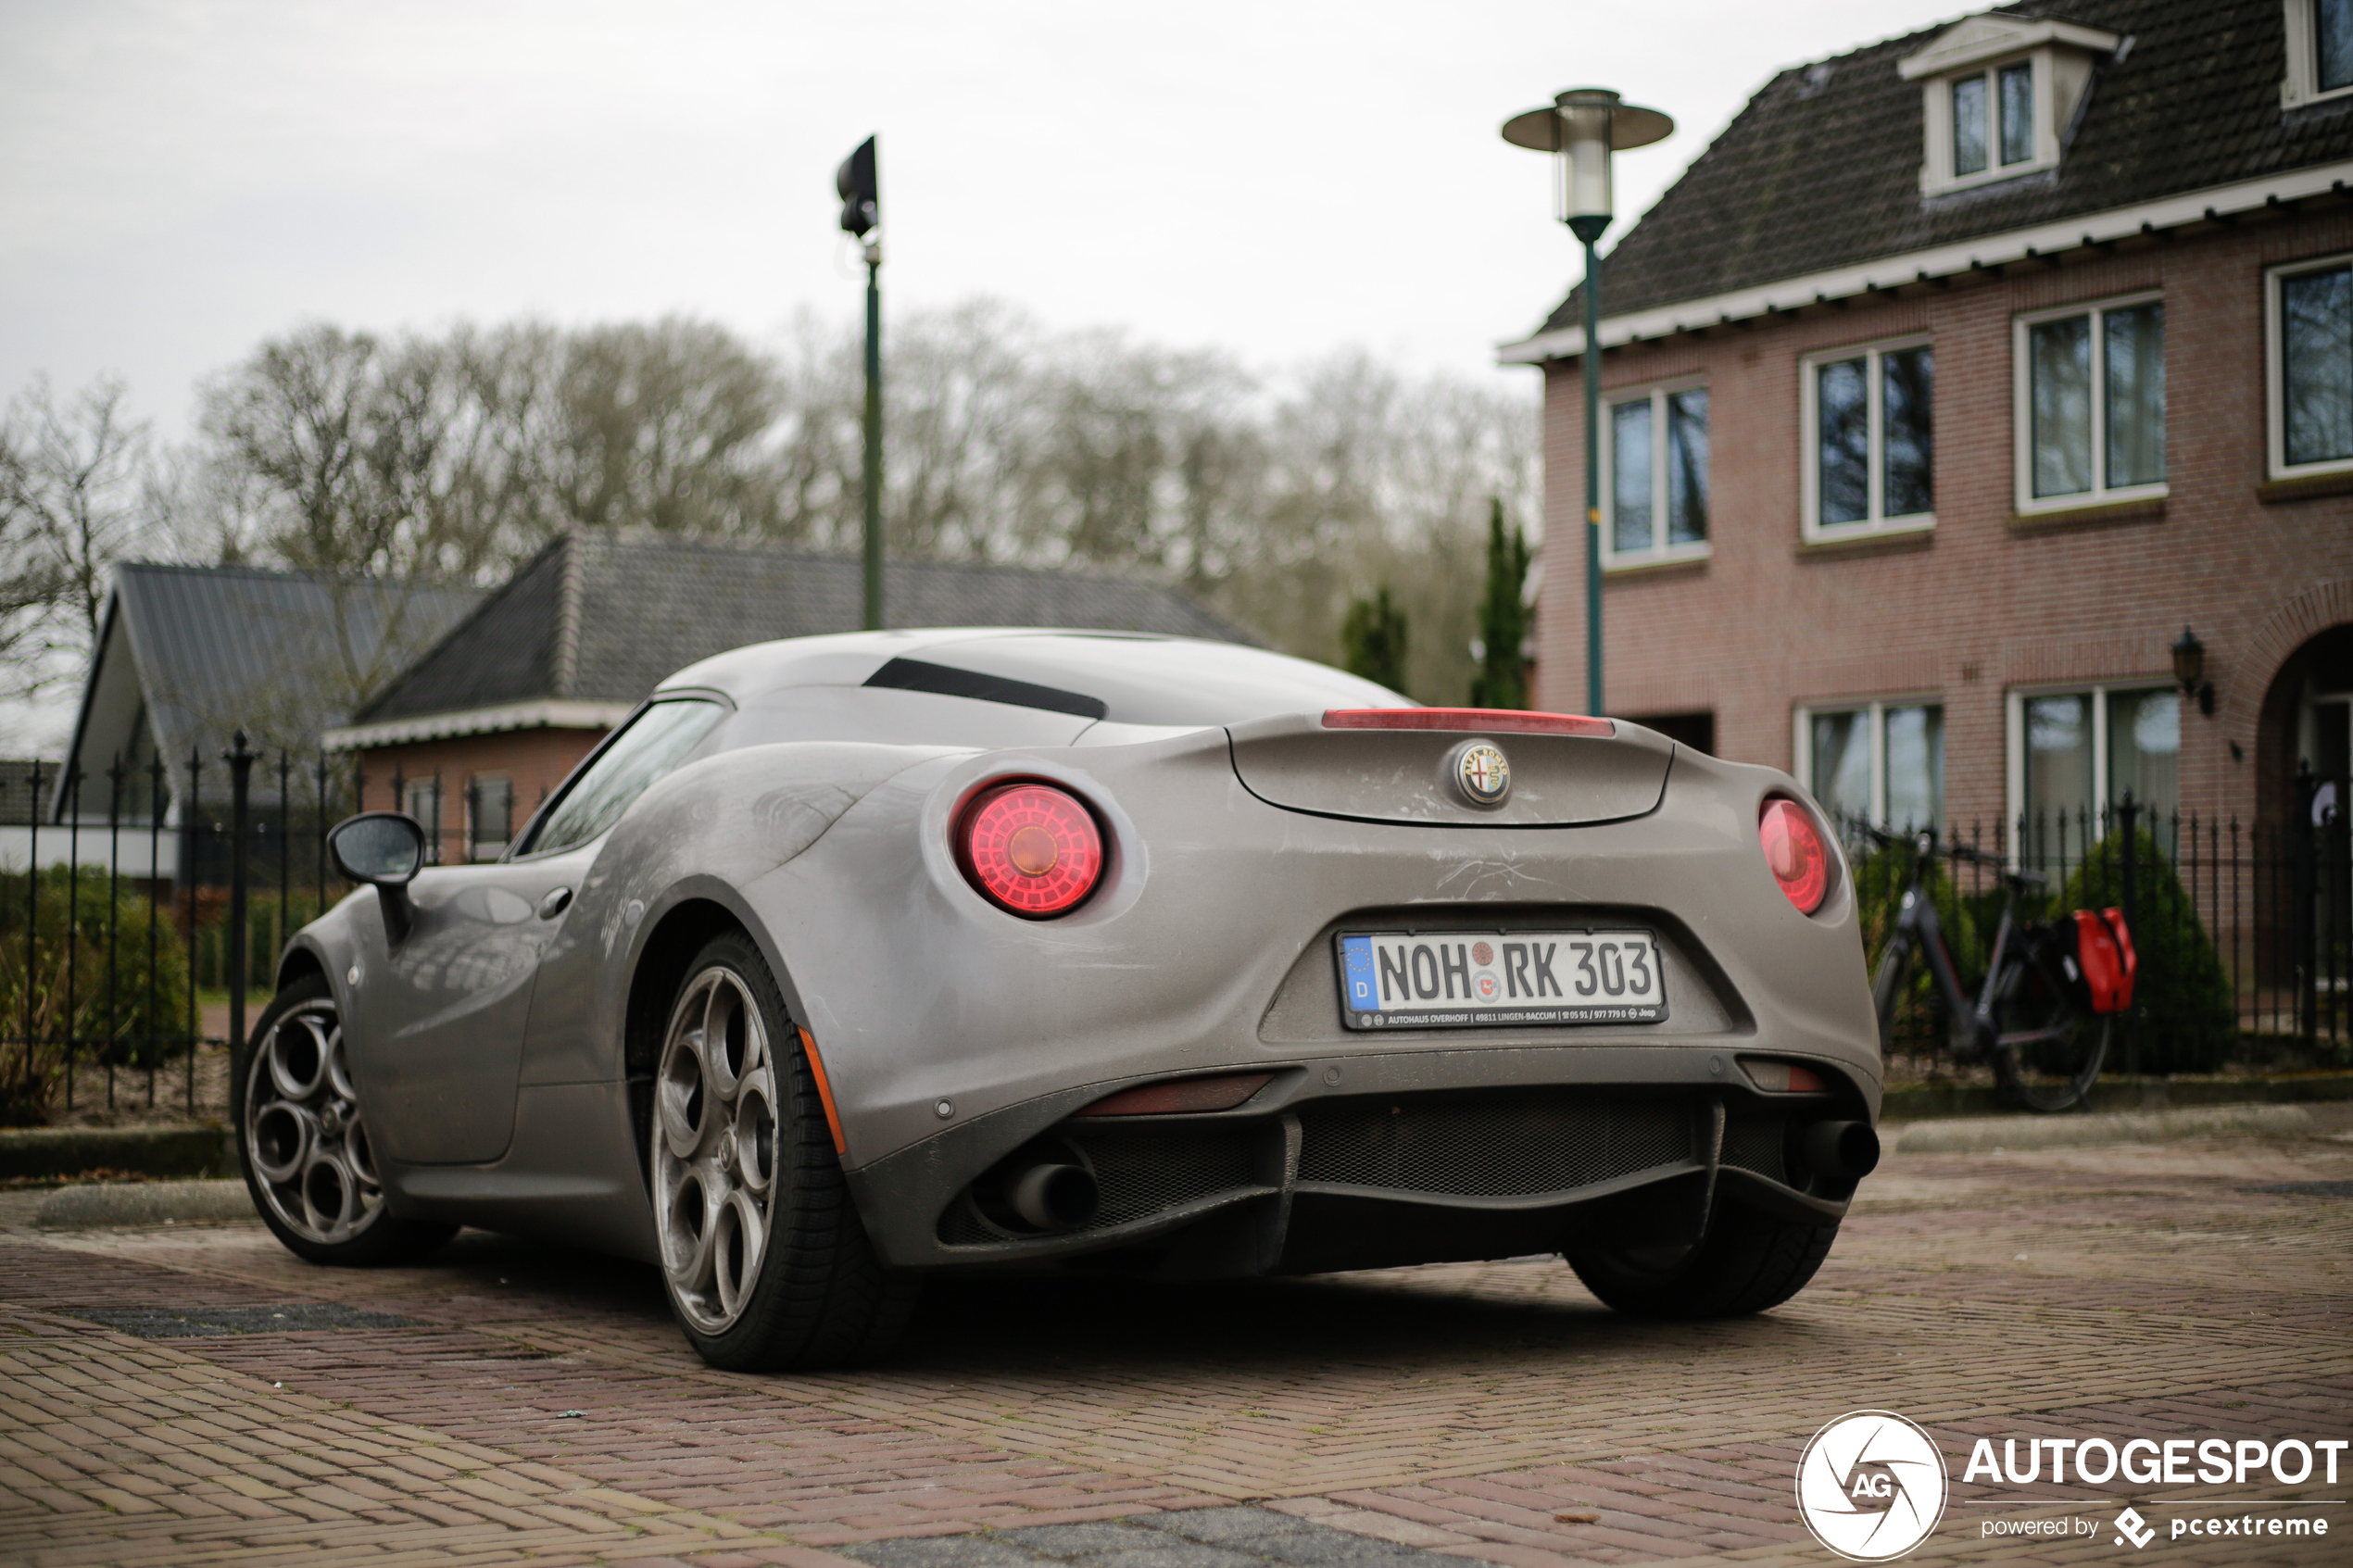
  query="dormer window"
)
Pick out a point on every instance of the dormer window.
point(2320, 51)
point(1993, 113)
point(2000, 96)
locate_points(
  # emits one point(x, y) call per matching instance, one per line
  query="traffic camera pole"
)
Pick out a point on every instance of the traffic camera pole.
point(873, 437)
point(859, 184)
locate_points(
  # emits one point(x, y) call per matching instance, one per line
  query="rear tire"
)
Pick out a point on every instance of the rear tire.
point(1887, 989)
point(303, 1144)
point(1746, 1263)
point(766, 1262)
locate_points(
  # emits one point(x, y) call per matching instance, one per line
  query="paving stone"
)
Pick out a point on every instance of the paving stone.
point(1472, 1412)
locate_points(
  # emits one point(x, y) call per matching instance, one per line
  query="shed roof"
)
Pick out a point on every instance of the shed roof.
point(598, 618)
point(203, 651)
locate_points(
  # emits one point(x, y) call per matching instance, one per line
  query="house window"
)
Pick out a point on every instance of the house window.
point(2320, 51)
point(2091, 403)
point(490, 813)
point(1882, 762)
point(422, 800)
point(2077, 752)
point(2311, 322)
point(1656, 485)
point(1993, 119)
point(1870, 434)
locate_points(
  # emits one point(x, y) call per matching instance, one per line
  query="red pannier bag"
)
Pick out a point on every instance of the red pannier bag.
point(2104, 947)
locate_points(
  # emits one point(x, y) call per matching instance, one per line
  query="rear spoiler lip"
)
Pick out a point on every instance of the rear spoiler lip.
point(1470, 720)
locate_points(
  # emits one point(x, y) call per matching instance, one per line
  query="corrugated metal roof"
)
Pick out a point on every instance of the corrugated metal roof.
point(279, 654)
point(648, 607)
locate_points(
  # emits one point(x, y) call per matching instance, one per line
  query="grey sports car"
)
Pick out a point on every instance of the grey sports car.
point(850, 958)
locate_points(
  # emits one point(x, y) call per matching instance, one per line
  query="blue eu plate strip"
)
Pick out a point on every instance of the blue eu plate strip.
point(1363, 990)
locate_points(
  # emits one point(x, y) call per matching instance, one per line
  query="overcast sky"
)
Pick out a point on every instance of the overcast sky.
point(180, 177)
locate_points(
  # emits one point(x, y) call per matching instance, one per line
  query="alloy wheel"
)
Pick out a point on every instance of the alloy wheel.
point(305, 1137)
point(714, 1148)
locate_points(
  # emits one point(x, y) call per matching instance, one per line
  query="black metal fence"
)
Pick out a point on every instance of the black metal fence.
point(2244, 931)
point(147, 897)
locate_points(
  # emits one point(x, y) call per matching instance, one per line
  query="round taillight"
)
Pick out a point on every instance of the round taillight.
point(1031, 849)
point(1794, 852)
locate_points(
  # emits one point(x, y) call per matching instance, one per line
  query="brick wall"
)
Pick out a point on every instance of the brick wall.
point(533, 761)
point(1982, 604)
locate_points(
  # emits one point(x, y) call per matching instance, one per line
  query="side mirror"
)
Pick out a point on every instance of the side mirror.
point(385, 849)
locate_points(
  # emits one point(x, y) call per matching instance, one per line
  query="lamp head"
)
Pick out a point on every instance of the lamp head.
point(1582, 128)
point(2189, 660)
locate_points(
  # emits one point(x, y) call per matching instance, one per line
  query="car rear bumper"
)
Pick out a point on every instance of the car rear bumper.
point(1362, 1161)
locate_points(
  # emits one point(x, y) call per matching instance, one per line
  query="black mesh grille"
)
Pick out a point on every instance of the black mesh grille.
point(1754, 1143)
point(1489, 1145)
point(1144, 1170)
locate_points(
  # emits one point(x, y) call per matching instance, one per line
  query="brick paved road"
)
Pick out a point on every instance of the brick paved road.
point(513, 1403)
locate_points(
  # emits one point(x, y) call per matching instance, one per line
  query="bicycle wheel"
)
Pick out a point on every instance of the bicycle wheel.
point(1887, 989)
point(2047, 1051)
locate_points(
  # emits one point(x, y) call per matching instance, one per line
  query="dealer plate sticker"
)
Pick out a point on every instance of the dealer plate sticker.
point(1466, 980)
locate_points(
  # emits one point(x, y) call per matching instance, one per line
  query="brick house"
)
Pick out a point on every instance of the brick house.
point(481, 728)
point(1955, 380)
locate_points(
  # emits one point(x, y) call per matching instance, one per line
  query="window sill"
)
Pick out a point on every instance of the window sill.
point(1877, 541)
point(2305, 487)
point(2098, 514)
point(1661, 565)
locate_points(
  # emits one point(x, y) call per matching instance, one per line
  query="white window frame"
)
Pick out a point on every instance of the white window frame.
point(1660, 552)
point(1937, 171)
point(2023, 412)
point(2275, 373)
point(477, 848)
point(1877, 523)
point(2014, 725)
point(2302, 84)
point(1801, 739)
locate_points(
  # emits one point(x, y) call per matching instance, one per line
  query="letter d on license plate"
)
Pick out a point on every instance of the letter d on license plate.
point(1473, 980)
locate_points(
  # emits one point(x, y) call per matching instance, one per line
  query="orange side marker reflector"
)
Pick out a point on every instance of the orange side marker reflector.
point(825, 1092)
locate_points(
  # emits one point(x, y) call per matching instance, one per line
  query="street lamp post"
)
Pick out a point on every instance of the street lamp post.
point(1582, 128)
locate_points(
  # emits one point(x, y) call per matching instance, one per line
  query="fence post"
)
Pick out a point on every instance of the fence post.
point(32, 910)
point(240, 762)
point(2127, 813)
point(2303, 846)
point(73, 921)
point(188, 879)
point(155, 917)
point(114, 913)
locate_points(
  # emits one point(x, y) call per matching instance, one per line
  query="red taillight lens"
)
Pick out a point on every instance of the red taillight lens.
point(1030, 848)
point(1793, 849)
point(1492, 720)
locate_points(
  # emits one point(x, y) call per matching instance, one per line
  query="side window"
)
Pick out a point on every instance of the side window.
point(655, 742)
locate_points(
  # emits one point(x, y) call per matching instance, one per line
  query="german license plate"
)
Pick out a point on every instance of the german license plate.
point(1466, 980)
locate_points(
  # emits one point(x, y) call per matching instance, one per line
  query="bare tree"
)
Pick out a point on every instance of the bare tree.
point(72, 504)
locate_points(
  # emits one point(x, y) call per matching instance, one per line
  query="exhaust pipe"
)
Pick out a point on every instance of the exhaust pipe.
point(1056, 1197)
point(1843, 1150)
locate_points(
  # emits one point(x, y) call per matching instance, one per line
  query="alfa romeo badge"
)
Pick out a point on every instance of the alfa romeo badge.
point(1483, 774)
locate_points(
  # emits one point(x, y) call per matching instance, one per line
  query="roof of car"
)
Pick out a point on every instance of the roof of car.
point(604, 618)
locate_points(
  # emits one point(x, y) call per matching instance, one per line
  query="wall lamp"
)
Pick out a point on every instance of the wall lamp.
point(2189, 669)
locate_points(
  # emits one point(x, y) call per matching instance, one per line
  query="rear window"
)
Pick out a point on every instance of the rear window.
point(1132, 680)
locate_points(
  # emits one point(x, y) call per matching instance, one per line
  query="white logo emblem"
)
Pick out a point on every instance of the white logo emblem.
point(1871, 1486)
point(1483, 773)
point(2137, 1530)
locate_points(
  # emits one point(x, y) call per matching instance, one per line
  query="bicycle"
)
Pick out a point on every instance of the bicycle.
point(2045, 1046)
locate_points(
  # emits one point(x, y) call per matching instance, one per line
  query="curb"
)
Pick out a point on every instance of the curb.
point(206, 1150)
point(1921, 1102)
point(146, 1203)
point(1993, 1134)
